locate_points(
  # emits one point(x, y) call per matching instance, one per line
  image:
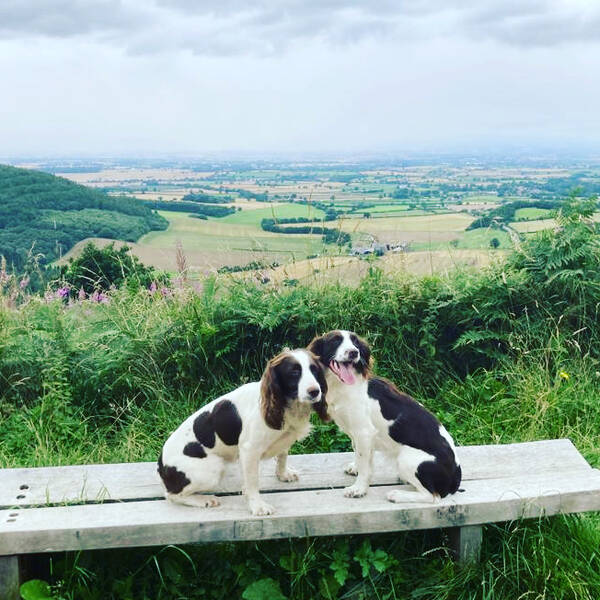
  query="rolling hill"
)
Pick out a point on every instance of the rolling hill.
point(45, 216)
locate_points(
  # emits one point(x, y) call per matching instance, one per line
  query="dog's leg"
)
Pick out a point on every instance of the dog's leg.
point(194, 499)
point(205, 475)
point(363, 458)
point(407, 469)
point(283, 472)
point(249, 462)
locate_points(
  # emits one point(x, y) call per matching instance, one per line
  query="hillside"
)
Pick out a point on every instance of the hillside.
point(47, 215)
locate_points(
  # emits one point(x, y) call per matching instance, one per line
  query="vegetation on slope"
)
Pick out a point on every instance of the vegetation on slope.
point(511, 353)
point(44, 216)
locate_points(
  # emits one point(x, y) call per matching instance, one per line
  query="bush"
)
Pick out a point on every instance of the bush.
point(105, 268)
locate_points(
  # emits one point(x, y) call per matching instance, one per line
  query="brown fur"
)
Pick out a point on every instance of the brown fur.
point(273, 402)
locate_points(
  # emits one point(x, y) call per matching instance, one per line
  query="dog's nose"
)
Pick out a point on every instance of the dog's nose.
point(313, 392)
point(352, 354)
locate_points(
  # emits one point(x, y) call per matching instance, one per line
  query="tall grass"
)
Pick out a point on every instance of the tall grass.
point(506, 354)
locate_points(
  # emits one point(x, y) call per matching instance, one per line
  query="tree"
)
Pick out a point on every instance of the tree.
point(101, 268)
point(494, 243)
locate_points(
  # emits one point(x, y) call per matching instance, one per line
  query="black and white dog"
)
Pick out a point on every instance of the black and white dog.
point(377, 416)
point(256, 421)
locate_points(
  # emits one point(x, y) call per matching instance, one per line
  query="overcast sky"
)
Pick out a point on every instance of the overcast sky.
point(195, 76)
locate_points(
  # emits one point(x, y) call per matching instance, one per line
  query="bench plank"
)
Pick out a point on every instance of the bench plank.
point(299, 514)
point(138, 481)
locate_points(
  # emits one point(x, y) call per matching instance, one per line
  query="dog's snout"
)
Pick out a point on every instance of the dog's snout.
point(352, 354)
point(313, 392)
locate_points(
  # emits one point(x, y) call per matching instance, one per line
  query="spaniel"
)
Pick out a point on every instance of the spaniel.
point(377, 416)
point(256, 421)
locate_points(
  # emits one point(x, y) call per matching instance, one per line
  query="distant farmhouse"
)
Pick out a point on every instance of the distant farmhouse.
point(379, 249)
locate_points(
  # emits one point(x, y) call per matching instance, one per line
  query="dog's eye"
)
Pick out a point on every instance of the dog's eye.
point(296, 371)
point(314, 370)
point(354, 339)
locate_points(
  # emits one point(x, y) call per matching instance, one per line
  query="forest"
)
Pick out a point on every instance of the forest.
point(42, 216)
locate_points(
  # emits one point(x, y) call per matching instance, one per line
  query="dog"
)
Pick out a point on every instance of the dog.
point(258, 420)
point(377, 416)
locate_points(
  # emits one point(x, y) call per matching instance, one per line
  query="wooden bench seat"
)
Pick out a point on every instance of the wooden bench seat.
point(113, 506)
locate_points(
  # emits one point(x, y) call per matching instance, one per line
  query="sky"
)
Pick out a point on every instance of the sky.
point(152, 77)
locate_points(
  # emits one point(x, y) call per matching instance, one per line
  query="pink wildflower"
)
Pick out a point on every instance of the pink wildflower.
point(81, 294)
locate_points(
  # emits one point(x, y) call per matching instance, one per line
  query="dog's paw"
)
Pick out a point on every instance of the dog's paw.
point(261, 509)
point(350, 469)
point(212, 501)
point(288, 475)
point(395, 496)
point(355, 491)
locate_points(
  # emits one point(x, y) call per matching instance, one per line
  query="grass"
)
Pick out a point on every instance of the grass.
point(531, 214)
point(533, 226)
point(486, 351)
point(278, 211)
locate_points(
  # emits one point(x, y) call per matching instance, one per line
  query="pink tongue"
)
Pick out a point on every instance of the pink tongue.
point(343, 372)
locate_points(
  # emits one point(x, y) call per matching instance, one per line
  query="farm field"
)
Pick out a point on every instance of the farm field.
point(350, 270)
point(209, 244)
point(531, 214)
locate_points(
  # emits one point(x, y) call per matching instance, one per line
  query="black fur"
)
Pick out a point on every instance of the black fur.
point(325, 347)
point(173, 479)
point(223, 421)
point(195, 450)
point(413, 425)
point(227, 422)
point(204, 429)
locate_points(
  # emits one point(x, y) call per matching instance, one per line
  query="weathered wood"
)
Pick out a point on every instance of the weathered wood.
point(138, 481)
point(9, 578)
point(466, 543)
point(298, 514)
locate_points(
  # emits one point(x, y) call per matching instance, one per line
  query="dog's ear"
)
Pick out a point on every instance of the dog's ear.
point(272, 401)
point(320, 407)
point(365, 355)
point(316, 346)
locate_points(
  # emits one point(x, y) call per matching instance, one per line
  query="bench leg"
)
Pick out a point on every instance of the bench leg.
point(9, 578)
point(466, 543)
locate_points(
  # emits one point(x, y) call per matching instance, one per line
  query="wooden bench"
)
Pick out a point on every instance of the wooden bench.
point(115, 506)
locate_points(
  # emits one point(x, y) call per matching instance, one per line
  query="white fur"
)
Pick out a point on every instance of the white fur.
point(361, 419)
point(257, 441)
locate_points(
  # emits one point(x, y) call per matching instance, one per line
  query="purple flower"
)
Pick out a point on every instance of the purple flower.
point(81, 294)
point(165, 291)
point(24, 282)
point(62, 292)
point(99, 297)
point(153, 287)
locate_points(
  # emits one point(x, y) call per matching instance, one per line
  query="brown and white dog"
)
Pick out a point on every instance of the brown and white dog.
point(377, 416)
point(256, 421)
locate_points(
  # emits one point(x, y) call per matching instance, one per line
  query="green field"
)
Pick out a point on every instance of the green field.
point(530, 214)
point(276, 211)
point(469, 240)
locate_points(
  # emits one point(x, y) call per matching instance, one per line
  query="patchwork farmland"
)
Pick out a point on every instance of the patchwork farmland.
point(417, 209)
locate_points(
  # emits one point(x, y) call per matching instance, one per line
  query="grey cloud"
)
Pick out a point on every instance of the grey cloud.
point(539, 24)
point(268, 27)
point(65, 18)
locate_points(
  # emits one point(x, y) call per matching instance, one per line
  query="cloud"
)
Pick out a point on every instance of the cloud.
point(66, 18)
point(270, 27)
